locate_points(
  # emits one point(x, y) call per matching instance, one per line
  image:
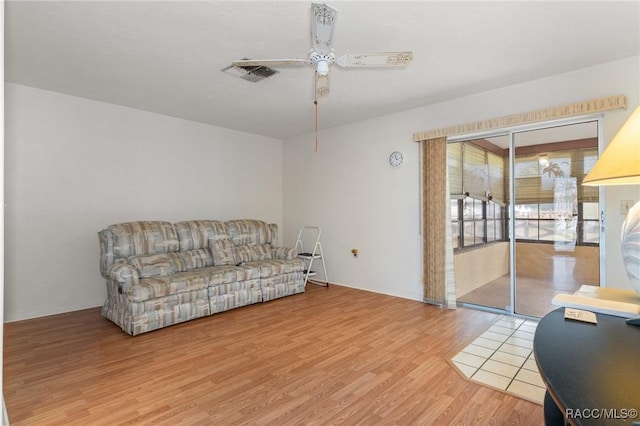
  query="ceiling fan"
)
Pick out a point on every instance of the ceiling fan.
point(322, 55)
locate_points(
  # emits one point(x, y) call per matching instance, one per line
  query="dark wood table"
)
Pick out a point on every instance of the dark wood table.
point(592, 372)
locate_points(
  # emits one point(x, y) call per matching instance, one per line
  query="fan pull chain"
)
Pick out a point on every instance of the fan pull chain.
point(315, 107)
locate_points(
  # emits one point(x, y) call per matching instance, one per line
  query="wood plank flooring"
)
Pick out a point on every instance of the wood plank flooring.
point(533, 295)
point(329, 356)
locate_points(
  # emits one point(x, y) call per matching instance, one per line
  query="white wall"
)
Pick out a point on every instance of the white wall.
point(349, 189)
point(74, 166)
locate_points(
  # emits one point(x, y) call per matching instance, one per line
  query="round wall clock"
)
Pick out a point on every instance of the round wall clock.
point(396, 159)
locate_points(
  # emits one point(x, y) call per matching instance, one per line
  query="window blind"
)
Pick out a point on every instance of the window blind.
point(536, 175)
point(454, 161)
point(475, 170)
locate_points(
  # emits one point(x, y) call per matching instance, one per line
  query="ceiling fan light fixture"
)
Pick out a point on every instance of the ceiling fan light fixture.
point(322, 67)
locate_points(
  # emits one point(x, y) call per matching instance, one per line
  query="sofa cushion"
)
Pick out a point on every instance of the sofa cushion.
point(285, 253)
point(141, 238)
point(157, 264)
point(244, 254)
point(160, 286)
point(195, 259)
point(248, 232)
point(222, 252)
point(248, 271)
point(195, 234)
point(226, 274)
point(273, 267)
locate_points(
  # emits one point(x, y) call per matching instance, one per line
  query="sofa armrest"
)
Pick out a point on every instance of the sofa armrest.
point(285, 253)
point(123, 273)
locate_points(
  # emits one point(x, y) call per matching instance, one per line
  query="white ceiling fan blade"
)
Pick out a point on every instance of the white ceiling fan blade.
point(269, 62)
point(383, 59)
point(322, 85)
point(323, 19)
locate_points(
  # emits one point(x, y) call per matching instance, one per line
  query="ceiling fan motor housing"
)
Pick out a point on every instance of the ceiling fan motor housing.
point(322, 60)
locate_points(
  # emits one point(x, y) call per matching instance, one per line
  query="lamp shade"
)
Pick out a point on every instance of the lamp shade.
point(619, 164)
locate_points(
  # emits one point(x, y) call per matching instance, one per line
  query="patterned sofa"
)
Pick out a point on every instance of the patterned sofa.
point(159, 274)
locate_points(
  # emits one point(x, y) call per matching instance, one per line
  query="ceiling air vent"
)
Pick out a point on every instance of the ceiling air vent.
point(252, 73)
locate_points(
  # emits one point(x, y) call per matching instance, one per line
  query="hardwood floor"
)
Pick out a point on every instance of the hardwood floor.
point(329, 356)
point(533, 295)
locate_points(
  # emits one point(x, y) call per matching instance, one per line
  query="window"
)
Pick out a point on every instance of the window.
point(590, 234)
point(495, 223)
point(550, 203)
point(477, 188)
point(481, 222)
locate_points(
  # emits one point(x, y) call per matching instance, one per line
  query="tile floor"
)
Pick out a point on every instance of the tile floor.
point(502, 357)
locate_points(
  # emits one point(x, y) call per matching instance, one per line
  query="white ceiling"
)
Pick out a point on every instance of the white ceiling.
point(167, 56)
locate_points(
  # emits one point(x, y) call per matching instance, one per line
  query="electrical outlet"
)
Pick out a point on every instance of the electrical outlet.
point(625, 206)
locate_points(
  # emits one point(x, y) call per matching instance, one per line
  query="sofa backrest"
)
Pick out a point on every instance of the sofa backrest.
point(136, 239)
point(249, 232)
point(161, 248)
point(195, 234)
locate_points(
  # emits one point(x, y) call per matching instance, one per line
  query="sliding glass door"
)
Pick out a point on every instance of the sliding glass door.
point(479, 204)
point(524, 228)
point(555, 218)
